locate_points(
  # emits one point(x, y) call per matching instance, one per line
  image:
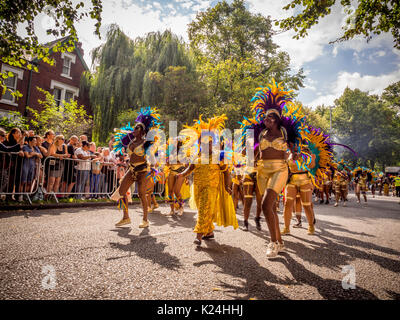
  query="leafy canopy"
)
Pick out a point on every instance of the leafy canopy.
point(19, 51)
point(370, 17)
point(67, 119)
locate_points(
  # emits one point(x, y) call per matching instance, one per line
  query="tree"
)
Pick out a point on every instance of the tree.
point(131, 74)
point(235, 54)
point(318, 119)
point(67, 119)
point(392, 95)
point(14, 119)
point(230, 31)
point(370, 17)
point(366, 124)
point(17, 50)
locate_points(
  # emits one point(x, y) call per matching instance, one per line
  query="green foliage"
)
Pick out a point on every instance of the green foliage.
point(67, 119)
point(318, 119)
point(131, 74)
point(392, 96)
point(13, 120)
point(370, 17)
point(235, 55)
point(369, 126)
point(125, 117)
point(18, 51)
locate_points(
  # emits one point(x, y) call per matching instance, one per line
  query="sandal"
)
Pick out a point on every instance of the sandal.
point(297, 225)
point(258, 224)
point(197, 241)
point(245, 225)
point(210, 236)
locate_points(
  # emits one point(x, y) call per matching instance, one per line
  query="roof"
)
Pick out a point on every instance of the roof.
point(53, 43)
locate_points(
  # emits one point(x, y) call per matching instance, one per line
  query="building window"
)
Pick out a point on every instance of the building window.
point(63, 92)
point(11, 84)
point(69, 96)
point(66, 66)
point(57, 96)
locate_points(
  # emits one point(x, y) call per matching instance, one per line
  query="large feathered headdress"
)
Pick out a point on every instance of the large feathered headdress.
point(191, 134)
point(316, 143)
point(270, 99)
point(148, 119)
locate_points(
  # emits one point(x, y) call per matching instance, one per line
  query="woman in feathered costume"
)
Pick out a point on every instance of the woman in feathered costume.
point(274, 135)
point(361, 177)
point(211, 180)
point(173, 167)
point(249, 179)
point(341, 180)
point(305, 173)
point(134, 140)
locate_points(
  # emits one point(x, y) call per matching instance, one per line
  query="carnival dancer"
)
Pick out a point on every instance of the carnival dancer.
point(153, 177)
point(173, 168)
point(274, 134)
point(326, 186)
point(237, 184)
point(306, 172)
point(299, 184)
point(211, 180)
point(249, 177)
point(134, 140)
point(341, 180)
point(361, 178)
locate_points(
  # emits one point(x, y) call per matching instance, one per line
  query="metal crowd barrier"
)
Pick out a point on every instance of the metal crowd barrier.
point(54, 176)
point(19, 176)
point(78, 178)
point(158, 189)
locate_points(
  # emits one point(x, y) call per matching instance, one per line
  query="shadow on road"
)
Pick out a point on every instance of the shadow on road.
point(252, 277)
point(327, 288)
point(149, 249)
point(187, 220)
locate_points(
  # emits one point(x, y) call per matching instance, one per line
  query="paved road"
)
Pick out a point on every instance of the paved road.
point(91, 259)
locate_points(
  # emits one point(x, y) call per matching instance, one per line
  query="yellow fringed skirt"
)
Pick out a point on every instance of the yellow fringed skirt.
point(206, 181)
point(225, 211)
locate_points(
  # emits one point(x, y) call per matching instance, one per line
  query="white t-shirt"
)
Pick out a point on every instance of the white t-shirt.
point(111, 158)
point(83, 164)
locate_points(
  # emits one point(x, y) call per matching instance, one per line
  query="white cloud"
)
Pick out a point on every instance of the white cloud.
point(356, 57)
point(157, 5)
point(187, 5)
point(312, 46)
point(135, 20)
point(372, 84)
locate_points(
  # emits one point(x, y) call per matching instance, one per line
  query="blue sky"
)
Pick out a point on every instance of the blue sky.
point(329, 68)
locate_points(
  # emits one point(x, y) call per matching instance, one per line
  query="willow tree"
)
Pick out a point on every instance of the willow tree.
point(129, 74)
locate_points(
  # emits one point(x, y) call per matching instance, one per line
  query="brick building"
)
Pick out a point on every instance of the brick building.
point(62, 80)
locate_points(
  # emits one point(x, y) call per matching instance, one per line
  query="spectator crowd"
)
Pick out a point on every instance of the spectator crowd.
point(51, 166)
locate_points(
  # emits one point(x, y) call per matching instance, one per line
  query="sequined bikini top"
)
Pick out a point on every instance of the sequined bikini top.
point(139, 150)
point(278, 144)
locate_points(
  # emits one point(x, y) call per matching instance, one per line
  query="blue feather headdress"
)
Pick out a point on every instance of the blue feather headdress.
point(148, 119)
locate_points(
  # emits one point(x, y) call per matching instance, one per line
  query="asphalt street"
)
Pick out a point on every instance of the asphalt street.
point(79, 254)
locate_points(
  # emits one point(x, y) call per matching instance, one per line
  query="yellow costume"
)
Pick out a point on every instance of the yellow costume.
point(206, 181)
point(272, 174)
point(297, 180)
point(213, 203)
point(225, 212)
